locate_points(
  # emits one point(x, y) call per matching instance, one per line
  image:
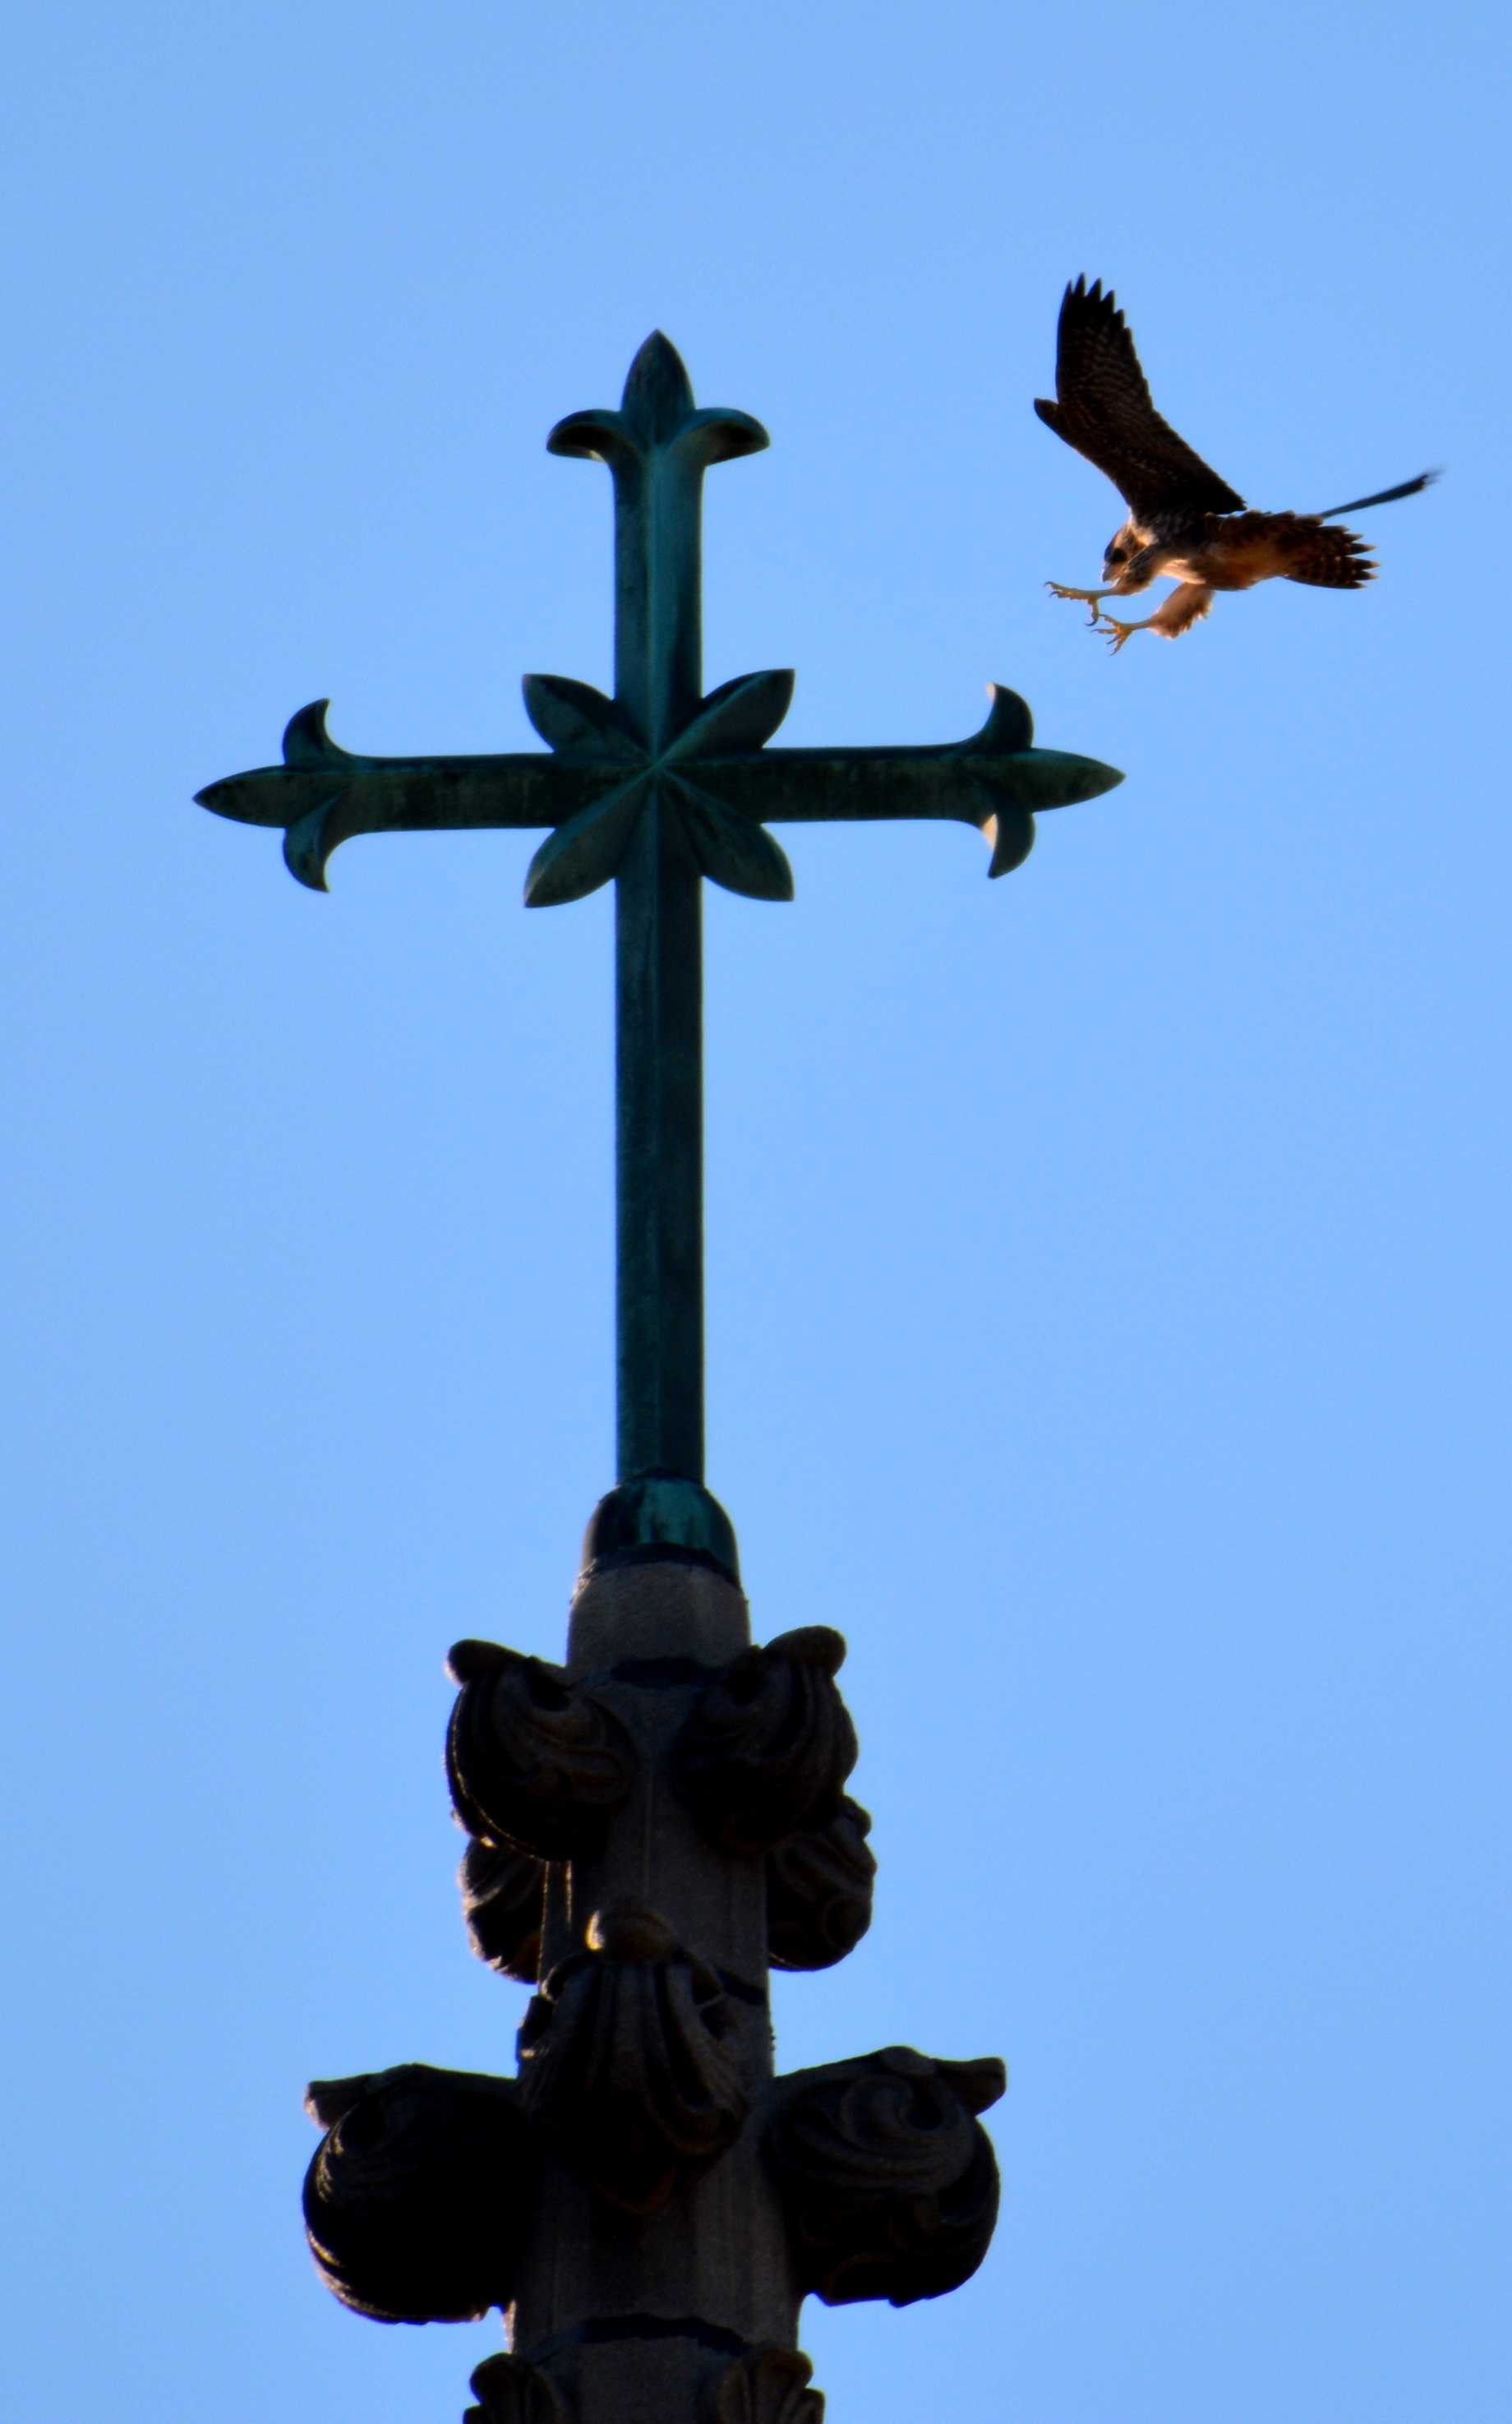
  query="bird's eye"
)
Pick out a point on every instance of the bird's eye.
point(1115, 555)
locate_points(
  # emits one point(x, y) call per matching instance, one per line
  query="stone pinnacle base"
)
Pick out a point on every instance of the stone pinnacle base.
point(655, 1824)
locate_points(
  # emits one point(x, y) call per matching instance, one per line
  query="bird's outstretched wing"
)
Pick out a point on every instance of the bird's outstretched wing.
point(1103, 408)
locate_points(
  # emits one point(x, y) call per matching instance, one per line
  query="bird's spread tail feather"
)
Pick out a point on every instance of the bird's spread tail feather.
point(1322, 558)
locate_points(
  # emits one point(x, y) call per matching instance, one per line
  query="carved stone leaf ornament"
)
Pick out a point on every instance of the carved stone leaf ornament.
point(503, 1897)
point(819, 1893)
point(888, 2180)
point(770, 2388)
point(624, 2061)
point(532, 1759)
point(818, 1899)
point(418, 2196)
point(512, 2392)
point(769, 1744)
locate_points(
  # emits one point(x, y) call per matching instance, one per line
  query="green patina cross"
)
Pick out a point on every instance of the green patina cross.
point(657, 788)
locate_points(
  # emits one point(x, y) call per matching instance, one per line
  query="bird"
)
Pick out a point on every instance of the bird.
point(1184, 521)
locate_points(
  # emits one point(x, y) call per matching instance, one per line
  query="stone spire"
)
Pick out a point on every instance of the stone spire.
point(655, 1825)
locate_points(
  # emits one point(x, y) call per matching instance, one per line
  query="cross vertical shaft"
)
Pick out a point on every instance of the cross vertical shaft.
point(658, 941)
point(658, 1121)
point(658, 447)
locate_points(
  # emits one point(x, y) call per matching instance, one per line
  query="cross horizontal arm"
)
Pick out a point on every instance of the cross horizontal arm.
point(323, 795)
point(821, 786)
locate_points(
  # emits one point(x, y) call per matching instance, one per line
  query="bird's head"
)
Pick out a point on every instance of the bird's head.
point(1119, 555)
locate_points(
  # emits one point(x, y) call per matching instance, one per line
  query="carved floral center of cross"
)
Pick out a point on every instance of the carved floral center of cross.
point(728, 846)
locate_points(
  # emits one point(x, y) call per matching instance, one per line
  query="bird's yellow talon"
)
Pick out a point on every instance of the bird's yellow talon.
point(1091, 598)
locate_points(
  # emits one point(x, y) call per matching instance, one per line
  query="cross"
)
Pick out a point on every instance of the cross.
point(657, 788)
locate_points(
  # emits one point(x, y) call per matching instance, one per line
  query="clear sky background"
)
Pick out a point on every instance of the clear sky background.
point(1107, 1268)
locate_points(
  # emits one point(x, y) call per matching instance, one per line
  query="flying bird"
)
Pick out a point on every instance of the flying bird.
point(1184, 520)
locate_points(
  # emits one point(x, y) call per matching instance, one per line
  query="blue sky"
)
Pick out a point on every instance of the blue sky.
point(1107, 1270)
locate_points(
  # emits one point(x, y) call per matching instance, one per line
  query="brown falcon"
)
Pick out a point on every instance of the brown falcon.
point(1184, 520)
